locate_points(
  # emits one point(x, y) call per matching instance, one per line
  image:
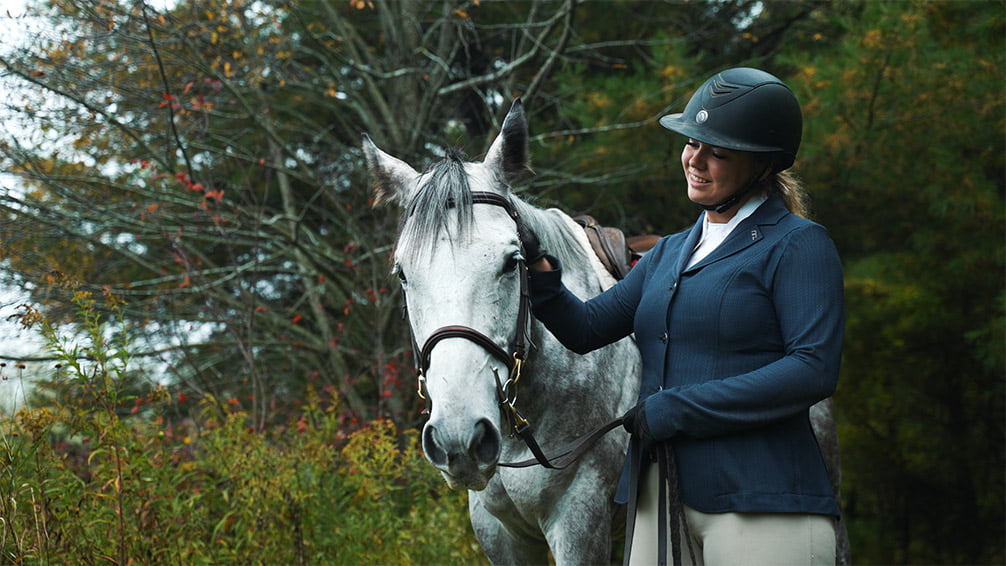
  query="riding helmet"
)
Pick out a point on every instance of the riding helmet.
point(743, 109)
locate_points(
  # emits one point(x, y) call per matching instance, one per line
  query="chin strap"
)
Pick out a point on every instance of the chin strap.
point(732, 200)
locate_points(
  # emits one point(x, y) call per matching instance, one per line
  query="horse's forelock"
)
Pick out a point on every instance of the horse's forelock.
point(442, 187)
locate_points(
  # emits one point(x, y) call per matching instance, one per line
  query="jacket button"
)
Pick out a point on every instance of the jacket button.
point(664, 338)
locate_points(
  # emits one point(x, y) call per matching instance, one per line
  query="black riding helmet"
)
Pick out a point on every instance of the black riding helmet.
point(743, 109)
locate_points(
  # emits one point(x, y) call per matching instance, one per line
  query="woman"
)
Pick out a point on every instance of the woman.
point(739, 321)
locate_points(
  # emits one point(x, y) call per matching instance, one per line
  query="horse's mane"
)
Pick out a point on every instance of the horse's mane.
point(444, 187)
point(552, 230)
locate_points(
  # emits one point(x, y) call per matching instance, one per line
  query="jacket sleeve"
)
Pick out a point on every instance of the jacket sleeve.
point(807, 294)
point(584, 326)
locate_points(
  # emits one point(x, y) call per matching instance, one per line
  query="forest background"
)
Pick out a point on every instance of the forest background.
point(186, 211)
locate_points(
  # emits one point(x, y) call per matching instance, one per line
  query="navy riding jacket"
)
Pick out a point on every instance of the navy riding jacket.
point(735, 350)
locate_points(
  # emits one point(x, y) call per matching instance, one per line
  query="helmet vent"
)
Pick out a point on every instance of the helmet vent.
point(718, 88)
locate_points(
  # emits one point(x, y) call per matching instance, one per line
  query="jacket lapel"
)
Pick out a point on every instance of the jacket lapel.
point(746, 234)
point(690, 242)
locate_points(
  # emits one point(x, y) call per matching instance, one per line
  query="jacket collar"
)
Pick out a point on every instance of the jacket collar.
point(746, 234)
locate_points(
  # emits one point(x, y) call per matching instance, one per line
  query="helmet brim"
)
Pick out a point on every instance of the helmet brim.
point(677, 123)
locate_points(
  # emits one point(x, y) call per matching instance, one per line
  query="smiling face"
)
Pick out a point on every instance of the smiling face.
point(714, 174)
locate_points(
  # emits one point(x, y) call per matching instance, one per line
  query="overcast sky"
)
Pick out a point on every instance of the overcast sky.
point(17, 27)
point(16, 7)
point(14, 341)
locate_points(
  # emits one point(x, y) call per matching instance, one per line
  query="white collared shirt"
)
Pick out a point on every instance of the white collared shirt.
point(713, 233)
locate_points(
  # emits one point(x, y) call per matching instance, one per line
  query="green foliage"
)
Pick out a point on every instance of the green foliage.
point(210, 174)
point(100, 476)
point(904, 144)
point(604, 142)
point(207, 185)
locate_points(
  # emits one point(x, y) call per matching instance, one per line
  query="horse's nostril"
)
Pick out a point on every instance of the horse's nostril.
point(432, 448)
point(485, 446)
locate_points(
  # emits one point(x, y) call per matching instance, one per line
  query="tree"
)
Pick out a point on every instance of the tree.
point(176, 189)
point(203, 165)
point(626, 168)
point(905, 125)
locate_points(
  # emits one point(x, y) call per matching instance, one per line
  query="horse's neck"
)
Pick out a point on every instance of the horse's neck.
point(586, 276)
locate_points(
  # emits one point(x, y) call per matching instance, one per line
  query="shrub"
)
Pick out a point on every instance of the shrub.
point(97, 471)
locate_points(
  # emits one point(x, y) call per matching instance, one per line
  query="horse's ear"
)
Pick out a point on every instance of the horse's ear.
point(392, 177)
point(509, 151)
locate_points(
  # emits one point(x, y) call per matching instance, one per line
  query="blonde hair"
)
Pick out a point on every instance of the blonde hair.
point(788, 186)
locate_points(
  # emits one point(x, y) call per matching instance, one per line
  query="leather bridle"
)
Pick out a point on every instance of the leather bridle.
point(514, 358)
point(506, 392)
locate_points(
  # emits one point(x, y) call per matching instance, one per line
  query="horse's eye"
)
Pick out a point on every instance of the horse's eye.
point(397, 270)
point(511, 263)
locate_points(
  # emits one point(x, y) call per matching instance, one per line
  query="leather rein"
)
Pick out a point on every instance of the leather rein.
point(506, 391)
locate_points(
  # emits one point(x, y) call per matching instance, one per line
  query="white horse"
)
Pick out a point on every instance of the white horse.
point(459, 259)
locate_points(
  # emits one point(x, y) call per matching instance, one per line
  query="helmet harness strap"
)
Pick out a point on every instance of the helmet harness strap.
point(732, 200)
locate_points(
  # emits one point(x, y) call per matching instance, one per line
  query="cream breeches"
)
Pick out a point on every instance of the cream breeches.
point(728, 539)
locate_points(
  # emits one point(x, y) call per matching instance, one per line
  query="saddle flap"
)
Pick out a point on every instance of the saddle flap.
point(609, 245)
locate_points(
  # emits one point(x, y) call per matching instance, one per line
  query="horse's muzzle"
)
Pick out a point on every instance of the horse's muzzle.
point(467, 459)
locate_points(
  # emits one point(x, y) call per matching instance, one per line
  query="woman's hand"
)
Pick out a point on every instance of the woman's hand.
point(634, 421)
point(534, 255)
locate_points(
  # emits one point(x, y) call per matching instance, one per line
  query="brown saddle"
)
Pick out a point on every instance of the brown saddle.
point(617, 252)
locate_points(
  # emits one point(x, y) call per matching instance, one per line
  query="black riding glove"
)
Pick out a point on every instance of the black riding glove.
point(531, 244)
point(634, 421)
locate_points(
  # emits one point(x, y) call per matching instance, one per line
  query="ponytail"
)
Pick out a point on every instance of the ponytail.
point(786, 185)
point(791, 190)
